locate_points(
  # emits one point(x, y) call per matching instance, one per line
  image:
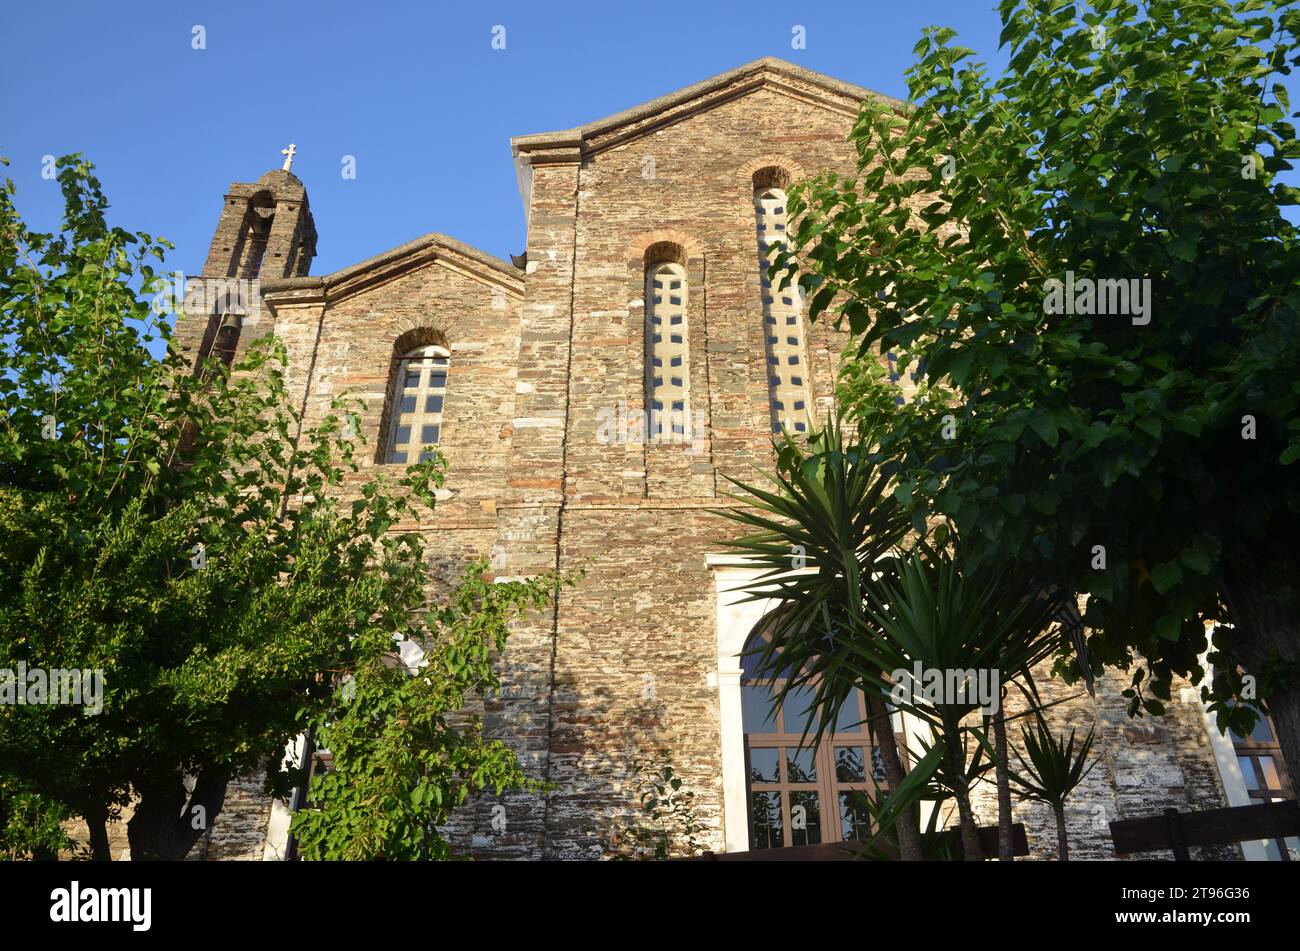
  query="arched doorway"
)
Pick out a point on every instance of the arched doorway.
point(798, 793)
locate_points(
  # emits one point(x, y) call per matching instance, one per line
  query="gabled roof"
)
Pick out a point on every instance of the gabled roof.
point(476, 264)
point(766, 72)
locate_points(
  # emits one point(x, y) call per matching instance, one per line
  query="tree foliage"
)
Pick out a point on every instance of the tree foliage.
point(859, 601)
point(666, 825)
point(1147, 460)
point(404, 755)
point(180, 532)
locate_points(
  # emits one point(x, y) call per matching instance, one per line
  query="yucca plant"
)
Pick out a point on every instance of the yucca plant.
point(827, 508)
point(934, 613)
point(853, 607)
point(1053, 769)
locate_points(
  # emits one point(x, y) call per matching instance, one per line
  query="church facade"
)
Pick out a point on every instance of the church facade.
point(593, 397)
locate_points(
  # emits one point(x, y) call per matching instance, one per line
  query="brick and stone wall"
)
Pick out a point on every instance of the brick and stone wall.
point(1142, 767)
point(539, 355)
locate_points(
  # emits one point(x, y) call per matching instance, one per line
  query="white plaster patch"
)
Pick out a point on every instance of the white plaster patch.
point(523, 386)
point(1153, 776)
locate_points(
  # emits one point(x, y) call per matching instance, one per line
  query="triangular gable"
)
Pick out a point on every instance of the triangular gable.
point(769, 73)
point(478, 265)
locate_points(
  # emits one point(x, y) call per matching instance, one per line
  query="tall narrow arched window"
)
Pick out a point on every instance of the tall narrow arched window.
point(221, 339)
point(227, 338)
point(415, 404)
point(800, 794)
point(256, 234)
point(787, 370)
point(667, 366)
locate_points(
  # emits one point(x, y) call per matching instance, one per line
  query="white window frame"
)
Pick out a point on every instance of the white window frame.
point(736, 617)
point(1225, 755)
point(422, 360)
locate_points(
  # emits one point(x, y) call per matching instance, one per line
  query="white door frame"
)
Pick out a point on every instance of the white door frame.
point(736, 617)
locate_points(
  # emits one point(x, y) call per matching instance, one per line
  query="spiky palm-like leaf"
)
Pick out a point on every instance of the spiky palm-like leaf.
point(1052, 766)
point(825, 526)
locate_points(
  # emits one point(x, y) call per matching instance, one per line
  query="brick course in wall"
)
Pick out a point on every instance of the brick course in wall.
point(540, 354)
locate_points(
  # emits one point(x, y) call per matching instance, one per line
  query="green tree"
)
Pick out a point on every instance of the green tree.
point(1146, 458)
point(856, 605)
point(403, 758)
point(178, 532)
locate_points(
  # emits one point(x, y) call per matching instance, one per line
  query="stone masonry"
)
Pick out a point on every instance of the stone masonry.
point(541, 351)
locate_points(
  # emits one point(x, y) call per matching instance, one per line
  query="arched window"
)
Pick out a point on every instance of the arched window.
point(256, 234)
point(1263, 771)
point(221, 339)
point(1265, 778)
point(667, 383)
point(799, 794)
point(787, 369)
point(415, 403)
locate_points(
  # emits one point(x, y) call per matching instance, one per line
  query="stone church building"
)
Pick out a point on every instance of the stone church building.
point(642, 289)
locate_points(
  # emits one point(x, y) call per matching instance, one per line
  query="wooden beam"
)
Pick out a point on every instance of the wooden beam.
point(1182, 830)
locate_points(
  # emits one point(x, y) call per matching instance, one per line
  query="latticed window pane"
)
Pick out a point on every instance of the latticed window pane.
point(805, 817)
point(850, 764)
point(766, 825)
point(1263, 771)
point(415, 425)
point(907, 383)
point(855, 818)
point(765, 765)
point(801, 792)
point(786, 398)
point(666, 304)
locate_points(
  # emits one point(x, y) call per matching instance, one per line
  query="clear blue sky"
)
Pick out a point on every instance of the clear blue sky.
point(413, 90)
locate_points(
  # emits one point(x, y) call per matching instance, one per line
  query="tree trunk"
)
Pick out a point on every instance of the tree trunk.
point(882, 728)
point(165, 826)
point(1266, 628)
point(1006, 848)
point(970, 836)
point(97, 823)
point(1062, 839)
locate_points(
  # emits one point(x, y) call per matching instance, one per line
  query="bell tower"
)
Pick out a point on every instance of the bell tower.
point(265, 231)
